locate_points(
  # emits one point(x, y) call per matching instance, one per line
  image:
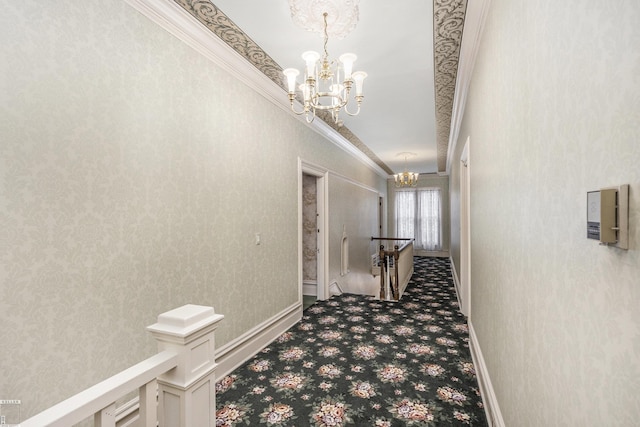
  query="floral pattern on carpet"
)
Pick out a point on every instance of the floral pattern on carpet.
point(356, 360)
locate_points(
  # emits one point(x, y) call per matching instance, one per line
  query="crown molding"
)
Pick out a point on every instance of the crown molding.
point(448, 27)
point(473, 27)
point(174, 19)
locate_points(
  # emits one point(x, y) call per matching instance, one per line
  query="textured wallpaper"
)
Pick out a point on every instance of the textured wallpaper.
point(309, 228)
point(553, 113)
point(134, 175)
point(353, 220)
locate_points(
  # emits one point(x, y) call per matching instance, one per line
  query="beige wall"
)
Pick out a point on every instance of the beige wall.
point(553, 113)
point(134, 175)
point(355, 221)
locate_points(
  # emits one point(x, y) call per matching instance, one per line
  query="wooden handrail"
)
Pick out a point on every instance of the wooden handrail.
point(391, 238)
point(395, 254)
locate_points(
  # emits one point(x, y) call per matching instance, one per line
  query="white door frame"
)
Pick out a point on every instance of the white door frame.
point(322, 182)
point(465, 231)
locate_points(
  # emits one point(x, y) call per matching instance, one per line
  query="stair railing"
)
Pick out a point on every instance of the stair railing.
point(396, 267)
point(176, 387)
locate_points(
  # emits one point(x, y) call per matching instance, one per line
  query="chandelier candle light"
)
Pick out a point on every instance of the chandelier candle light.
point(406, 179)
point(327, 84)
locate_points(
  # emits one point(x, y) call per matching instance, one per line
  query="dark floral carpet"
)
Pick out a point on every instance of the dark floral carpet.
point(355, 360)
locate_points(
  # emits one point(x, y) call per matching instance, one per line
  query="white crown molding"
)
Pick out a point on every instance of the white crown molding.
point(473, 27)
point(174, 19)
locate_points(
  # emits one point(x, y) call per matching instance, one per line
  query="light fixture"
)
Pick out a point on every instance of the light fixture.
point(406, 178)
point(327, 84)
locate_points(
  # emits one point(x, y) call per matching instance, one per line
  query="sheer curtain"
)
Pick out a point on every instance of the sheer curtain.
point(405, 214)
point(419, 215)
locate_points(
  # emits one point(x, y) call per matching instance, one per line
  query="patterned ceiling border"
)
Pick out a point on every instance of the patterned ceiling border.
point(448, 24)
point(211, 17)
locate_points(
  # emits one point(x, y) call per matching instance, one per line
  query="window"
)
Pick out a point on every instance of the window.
point(419, 216)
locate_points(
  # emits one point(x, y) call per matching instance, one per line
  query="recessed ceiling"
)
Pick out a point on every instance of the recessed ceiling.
point(394, 45)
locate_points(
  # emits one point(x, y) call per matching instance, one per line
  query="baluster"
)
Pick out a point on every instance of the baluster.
point(106, 417)
point(148, 412)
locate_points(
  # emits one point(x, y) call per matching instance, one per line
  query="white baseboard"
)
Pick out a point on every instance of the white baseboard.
point(238, 351)
point(310, 288)
point(456, 282)
point(490, 401)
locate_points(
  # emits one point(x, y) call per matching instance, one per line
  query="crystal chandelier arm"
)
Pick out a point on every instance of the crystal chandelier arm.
point(310, 113)
point(291, 74)
point(346, 108)
point(358, 77)
point(292, 98)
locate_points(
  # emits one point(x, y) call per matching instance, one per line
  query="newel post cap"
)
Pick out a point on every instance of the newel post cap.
point(184, 321)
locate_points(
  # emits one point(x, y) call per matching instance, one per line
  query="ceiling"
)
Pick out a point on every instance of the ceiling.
point(408, 91)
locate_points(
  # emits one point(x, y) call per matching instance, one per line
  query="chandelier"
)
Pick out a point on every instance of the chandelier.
point(327, 84)
point(406, 179)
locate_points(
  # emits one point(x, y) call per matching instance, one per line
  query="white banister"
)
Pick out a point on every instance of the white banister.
point(98, 397)
point(147, 413)
point(106, 417)
point(181, 375)
point(186, 395)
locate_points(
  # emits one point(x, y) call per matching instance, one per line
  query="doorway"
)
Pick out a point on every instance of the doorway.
point(312, 230)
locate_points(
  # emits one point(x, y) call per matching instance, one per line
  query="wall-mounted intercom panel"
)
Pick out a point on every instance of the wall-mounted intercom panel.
point(608, 216)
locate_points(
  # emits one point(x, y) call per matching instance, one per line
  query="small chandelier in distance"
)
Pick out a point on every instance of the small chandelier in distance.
point(322, 89)
point(406, 179)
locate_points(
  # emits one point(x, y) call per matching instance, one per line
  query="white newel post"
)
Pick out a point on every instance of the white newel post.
point(186, 394)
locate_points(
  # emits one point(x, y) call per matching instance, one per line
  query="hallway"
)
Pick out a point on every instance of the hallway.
point(355, 360)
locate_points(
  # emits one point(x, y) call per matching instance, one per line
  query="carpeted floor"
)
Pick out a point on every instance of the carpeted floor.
point(354, 360)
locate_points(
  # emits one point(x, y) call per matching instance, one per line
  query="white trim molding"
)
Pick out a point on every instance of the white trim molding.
point(473, 26)
point(490, 401)
point(322, 192)
point(310, 288)
point(456, 283)
point(174, 19)
point(236, 352)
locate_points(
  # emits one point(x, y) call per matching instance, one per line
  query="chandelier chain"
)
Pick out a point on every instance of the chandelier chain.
point(326, 36)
